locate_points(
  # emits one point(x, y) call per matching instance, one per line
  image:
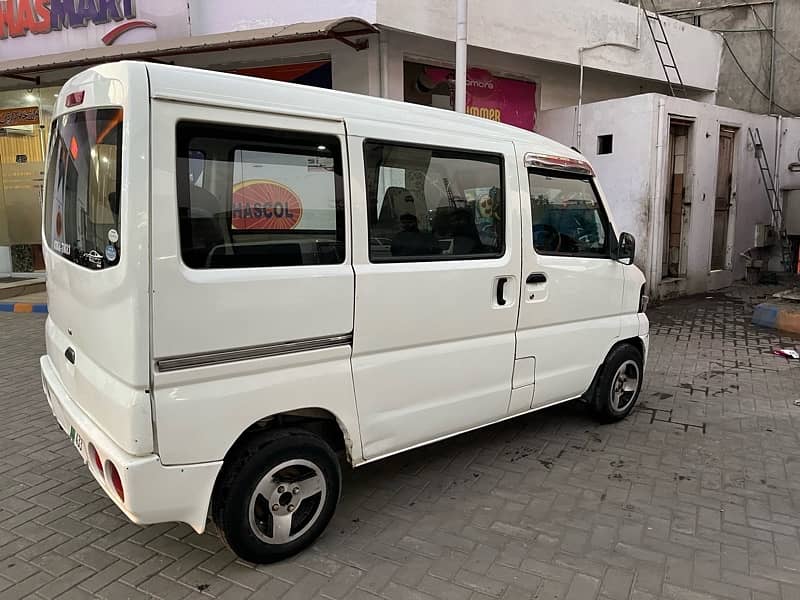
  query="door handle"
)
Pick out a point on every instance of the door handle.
point(501, 284)
point(536, 278)
point(69, 353)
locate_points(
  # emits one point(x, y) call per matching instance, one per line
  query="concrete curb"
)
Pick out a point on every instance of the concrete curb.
point(23, 307)
point(777, 317)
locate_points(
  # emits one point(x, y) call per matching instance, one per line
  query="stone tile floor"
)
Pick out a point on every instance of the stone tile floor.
point(695, 496)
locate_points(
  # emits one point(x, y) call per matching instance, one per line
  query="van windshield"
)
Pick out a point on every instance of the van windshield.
point(81, 206)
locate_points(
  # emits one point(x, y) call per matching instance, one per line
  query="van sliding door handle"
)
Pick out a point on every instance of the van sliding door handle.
point(536, 278)
point(501, 284)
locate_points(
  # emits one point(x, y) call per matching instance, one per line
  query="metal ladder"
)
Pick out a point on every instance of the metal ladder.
point(772, 196)
point(671, 72)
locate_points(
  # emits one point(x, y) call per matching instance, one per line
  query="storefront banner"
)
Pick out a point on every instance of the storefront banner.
point(38, 27)
point(500, 99)
point(12, 117)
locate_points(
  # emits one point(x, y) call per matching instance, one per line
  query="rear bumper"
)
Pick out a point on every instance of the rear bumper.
point(153, 492)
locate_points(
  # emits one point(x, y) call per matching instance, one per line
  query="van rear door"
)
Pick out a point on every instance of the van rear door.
point(95, 228)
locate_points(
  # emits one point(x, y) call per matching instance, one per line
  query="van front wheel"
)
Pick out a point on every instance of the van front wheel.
point(619, 383)
point(276, 495)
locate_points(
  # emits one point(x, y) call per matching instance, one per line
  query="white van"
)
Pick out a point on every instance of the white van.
point(248, 277)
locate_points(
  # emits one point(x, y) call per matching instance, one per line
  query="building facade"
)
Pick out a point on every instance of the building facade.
point(683, 178)
point(525, 57)
point(760, 67)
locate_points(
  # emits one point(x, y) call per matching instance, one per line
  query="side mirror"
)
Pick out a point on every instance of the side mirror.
point(626, 248)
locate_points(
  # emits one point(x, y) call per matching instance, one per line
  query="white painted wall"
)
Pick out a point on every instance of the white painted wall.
point(360, 71)
point(630, 174)
point(626, 175)
point(790, 153)
point(554, 31)
point(208, 16)
point(557, 83)
point(542, 29)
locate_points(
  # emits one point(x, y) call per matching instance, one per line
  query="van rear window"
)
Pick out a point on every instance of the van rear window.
point(81, 204)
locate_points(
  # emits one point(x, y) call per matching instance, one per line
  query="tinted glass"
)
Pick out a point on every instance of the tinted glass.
point(83, 187)
point(259, 198)
point(567, 216)
point(433, 204)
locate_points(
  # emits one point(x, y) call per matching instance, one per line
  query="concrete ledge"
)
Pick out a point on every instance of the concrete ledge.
point(777, 317)
point(23, 307)
point(21, 287)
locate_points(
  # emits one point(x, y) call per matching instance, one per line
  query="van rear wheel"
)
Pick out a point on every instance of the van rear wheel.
point(276, 495)
point(619, 383)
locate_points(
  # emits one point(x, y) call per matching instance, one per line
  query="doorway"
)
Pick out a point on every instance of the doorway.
point(723, 200)
point(676, 207)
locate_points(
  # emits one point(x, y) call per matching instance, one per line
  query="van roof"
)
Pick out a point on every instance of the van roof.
point(226, 89)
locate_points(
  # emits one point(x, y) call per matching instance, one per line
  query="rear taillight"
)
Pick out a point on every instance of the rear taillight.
point(116, 480)
point(643, 300)
point(98, 462)
point(75, 99)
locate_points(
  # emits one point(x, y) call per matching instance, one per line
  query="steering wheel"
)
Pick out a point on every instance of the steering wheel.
point(546, 238)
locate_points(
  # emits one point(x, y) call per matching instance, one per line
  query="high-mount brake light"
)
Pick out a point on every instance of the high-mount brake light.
point(75, 99)
point(559, 163)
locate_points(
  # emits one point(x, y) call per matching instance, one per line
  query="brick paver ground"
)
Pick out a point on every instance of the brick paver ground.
point(696, 495)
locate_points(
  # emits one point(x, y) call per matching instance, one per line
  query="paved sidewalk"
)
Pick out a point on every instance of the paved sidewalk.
point(25, 303)
point(696, 496)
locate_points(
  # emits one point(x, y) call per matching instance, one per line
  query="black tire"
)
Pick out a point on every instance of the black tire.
point(605, 404)
point(241, 474)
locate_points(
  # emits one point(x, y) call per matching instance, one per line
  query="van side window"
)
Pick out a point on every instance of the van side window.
point(567, 216)
point(433, 204)
point(258, 197)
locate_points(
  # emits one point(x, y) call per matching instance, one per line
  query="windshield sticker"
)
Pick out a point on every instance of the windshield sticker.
point(111, 253)
point(113, 236)
point(320, 163)
point(95, 258)
point(62, 247)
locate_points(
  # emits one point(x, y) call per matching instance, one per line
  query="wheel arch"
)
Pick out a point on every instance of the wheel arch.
point(634, 341)
point(316, 420)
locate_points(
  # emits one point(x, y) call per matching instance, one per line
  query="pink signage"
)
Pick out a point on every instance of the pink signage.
point(497, 98)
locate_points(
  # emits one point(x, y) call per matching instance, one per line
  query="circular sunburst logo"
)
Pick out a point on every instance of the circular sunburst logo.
point(265, 204)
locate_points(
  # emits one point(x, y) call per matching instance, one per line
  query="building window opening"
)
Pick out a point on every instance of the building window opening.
point(605, 144)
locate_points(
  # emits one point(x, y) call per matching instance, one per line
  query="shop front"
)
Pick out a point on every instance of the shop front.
point(43, 45)
point(24, 119)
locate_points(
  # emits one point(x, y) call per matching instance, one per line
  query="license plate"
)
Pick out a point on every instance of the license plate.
point(76, 438)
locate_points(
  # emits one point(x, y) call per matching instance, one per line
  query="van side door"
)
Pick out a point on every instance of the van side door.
point(572, 288)
point(252, 300)
point(437, 262)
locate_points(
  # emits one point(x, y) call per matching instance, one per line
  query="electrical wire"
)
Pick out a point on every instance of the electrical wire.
point(705, 11)
point(700, 10)
point(772, 35)
point(753, 83)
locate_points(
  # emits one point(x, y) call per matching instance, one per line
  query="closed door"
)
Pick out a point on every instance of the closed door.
point(255, 238)
point(252, 283)
point(437, 268)
point(572, 288)
point(722, 200)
